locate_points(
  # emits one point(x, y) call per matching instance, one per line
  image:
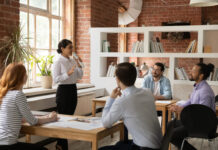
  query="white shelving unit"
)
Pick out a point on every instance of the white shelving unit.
point(99, 58)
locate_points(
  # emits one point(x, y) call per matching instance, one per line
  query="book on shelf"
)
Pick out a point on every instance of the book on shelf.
point(138, 47)
point(213, 75)
point(192, 47)
point(105, 46)
point(156, 46)
point(166, 72)
point(111, 70)
point(181, 74)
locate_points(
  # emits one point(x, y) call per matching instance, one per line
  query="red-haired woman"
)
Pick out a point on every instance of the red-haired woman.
point(14, 108)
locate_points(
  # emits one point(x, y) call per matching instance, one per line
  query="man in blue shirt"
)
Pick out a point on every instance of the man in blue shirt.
point(157, 83)
point(135, 106)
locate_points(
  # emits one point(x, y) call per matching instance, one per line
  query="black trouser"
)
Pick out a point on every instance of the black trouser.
point(22, 146)
point(66, 99)
point(179, 133)
point(129, 145)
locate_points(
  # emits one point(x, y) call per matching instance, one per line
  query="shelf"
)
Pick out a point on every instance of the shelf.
point(176, 55)
point(204, 34)
point(187, 82)
point(191, 28)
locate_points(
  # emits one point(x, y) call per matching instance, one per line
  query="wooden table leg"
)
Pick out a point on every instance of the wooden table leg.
point(95, 144)
point(28, 138)
point(163, 120)
point(93, 109)
point(169, 115)
point(169, 119)
point(122, 132)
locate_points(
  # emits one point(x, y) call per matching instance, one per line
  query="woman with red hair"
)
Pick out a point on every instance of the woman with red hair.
point(14, 108)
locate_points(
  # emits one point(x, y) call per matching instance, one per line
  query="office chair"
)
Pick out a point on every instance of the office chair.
point(201, 122)
point(167, 136)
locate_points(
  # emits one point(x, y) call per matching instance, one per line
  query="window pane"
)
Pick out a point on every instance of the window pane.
point(40, 53)
point(23, 2)
point(61, 2)
point(61, 31)
point(42, 4)
point(31, 30)
point(55, 33)
point(42, 32)
point(23, 23)
point(55, 7)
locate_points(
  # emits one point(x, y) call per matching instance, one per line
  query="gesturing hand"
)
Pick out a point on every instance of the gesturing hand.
point(71, 70)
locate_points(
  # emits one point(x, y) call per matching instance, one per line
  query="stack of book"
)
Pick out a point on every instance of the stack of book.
point(213, 75)
point(105, 46)
point(111, 70)
point(156, 46)
point(138, 47)
point(181, 74)
point(192, 47)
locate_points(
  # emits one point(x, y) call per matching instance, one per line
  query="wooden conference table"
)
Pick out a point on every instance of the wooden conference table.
point(163, 107)
point(92, 136)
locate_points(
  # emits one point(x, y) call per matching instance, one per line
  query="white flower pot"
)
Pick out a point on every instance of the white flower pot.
point(46, 82)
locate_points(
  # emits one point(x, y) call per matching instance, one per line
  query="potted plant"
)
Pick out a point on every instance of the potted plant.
point(44, 64)
point(14, 48)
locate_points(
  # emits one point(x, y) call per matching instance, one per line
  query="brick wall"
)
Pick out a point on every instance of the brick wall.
point(105, 14)
point(83, 23)
point(154, 13)
point(210, 15)
point(9, 17)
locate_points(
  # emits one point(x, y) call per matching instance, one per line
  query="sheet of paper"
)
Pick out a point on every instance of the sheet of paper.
point(82, 124)
point(181, 102)
point(65, 118)
point(163, 102)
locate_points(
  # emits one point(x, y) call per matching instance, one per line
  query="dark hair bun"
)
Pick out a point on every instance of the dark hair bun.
point(210, 67)
point(59, 51)
point(63, 44)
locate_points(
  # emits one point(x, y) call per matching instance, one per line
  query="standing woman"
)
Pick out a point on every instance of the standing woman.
point(66, 72)
point(14, 108)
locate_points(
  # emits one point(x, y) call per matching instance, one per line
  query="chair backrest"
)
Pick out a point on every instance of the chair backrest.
point(199, 120)
point(167, 136)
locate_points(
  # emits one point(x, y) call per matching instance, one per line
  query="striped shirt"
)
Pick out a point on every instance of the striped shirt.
point(13, 108)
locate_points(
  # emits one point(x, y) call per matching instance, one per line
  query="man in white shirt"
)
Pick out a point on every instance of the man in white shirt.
point(136, 108)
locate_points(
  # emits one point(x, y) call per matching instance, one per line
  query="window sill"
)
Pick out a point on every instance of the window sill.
point(41, 91)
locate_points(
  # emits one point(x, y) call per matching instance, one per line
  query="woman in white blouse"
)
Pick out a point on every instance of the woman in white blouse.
point(66, 72)
point(14, 108)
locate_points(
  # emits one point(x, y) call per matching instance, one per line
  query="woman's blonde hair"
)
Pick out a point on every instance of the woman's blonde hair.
point(12, 78)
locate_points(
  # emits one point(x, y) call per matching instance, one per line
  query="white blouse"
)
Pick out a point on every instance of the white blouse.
point(61, 68)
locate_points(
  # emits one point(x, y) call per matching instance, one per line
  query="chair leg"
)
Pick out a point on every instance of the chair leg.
point(182, 144)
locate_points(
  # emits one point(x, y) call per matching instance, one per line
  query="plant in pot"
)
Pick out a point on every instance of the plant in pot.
point(44, 64)
point(14, 48)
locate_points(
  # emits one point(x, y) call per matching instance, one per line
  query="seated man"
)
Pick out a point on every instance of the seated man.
point(202, 94)
point(136, 108)
point(157, 83)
